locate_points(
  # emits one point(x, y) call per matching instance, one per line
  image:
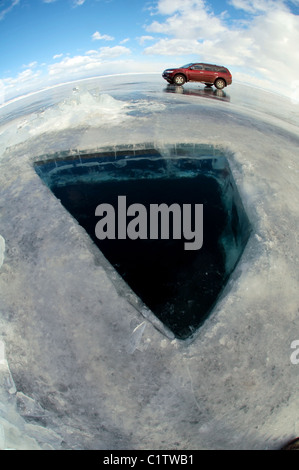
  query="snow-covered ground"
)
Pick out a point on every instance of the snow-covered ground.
point(80, 365)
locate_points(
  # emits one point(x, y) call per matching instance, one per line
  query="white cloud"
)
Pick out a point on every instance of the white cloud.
point(169, 7)
point(57, 56)
point(143, 39)
point(190, 19)
point(256, 6)
point(27, 74)
point(106, 60)
point(175, 46)
point(6, 7)
point(13, 86)
point(78, 3)
point(98, 36)
point(30, 66)
point(115, 51)
point(91, 52)
point(124, 41)
point(75, 3)
point(89, 63)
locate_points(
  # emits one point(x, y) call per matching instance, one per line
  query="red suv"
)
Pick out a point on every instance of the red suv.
point(208, 74)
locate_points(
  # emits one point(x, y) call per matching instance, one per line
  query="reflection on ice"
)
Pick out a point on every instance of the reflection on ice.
point(204, 92)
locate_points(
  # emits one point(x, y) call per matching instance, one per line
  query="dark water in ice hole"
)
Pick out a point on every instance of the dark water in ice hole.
point(178, 285)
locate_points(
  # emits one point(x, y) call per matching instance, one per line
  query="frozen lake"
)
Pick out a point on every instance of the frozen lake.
point(84, 364)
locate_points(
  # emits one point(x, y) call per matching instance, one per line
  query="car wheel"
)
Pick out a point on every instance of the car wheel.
point(179, 80)
point(220, 83)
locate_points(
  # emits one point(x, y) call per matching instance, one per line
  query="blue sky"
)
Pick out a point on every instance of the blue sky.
point(44, 42)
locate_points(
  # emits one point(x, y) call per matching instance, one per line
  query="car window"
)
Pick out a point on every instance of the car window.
point(210, 68)
point(197, 67)
point(186, 66)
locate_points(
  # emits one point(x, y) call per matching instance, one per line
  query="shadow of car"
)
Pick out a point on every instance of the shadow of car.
point(206, 92)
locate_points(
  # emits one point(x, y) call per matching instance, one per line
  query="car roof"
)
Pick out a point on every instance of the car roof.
point(212, 65)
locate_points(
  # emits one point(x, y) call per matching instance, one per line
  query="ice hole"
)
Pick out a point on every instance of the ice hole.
point(179, 286)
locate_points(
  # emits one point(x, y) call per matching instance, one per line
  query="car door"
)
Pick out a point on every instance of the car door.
point(196, 73)
point(208, 74)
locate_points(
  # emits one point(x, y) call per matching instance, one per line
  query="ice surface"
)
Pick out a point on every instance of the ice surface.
point(2, 250)
point(95, 372)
